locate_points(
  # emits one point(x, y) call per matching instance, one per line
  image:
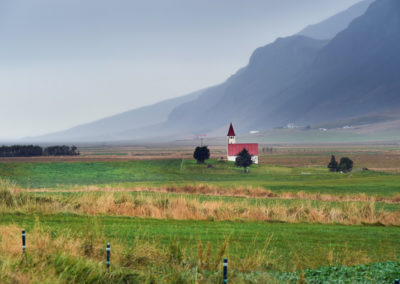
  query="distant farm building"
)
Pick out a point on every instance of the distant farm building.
point(234, 149)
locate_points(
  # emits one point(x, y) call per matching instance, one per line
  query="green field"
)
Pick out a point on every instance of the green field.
point(163, 236)
point(309, 242)
point(169, 172)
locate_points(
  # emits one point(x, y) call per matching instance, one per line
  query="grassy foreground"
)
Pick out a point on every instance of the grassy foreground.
point(67, 233)
point(188, 250)
point(174, 222)
point(175, 173)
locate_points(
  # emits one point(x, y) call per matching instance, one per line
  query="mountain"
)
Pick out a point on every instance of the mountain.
point(295, 79)
point(270, 69)
point(337, 23)
point(356, 73)
point(110, 128)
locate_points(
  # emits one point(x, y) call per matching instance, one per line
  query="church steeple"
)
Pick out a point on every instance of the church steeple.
point(231, 135)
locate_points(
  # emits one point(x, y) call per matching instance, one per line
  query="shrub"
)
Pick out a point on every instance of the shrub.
point(346, 165)
point(201, 154)
point(333, 164)
point(243, 159)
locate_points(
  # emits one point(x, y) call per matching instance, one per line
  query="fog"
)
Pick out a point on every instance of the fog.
point(68, 62)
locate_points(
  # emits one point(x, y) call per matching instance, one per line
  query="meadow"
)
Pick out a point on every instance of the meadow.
point(173, 220)
point(155, 173)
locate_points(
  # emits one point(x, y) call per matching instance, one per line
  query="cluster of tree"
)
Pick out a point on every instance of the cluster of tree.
point(35, 151)
point(61, 151)
point(345, 165)
point(21, 151)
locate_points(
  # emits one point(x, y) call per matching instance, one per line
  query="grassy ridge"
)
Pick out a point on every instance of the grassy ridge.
point(168, 172)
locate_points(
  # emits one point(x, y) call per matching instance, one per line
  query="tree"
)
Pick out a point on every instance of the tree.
point(345, 165)
point(333, 165)
point(243, 159)
point(201, 154)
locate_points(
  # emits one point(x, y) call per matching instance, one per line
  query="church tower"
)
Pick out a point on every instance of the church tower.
point(231, 135)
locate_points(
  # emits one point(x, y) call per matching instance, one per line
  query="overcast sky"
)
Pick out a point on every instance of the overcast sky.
point(68, 62)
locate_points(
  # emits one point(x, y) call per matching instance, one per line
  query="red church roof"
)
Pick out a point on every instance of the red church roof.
point(235, 149)
point(231, 132)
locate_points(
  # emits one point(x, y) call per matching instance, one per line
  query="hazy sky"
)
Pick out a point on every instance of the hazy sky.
point(67, 62)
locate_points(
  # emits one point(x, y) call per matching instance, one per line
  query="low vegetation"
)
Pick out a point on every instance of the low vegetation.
point(385, 272)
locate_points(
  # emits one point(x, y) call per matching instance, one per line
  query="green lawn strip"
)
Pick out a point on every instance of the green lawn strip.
point(290, 242)
point(168, 173)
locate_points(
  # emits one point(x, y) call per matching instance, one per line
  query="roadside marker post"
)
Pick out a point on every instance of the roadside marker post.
point(23, 242)
point(108, 255)
point(225, 270)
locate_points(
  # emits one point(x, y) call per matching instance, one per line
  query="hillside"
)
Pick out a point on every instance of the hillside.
point(357, 73)
point(332, 26)
point(270, 69)
point(296, 79)
point(110, 128)
point(354, 74)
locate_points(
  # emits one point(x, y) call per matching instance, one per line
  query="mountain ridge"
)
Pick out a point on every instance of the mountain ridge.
point(330, 27)
point(296, 79)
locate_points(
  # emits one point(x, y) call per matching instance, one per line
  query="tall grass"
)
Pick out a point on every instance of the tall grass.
point(65, 258)
point(164, 206)
point(244, 192)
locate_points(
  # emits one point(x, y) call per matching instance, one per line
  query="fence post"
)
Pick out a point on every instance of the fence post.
point(225, 270)
point(108, 255)
point(23, 242)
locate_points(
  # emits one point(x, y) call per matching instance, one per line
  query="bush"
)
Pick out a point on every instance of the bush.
point(201, 154)
point(345, 165)
point(333, 165)
point(243, 159)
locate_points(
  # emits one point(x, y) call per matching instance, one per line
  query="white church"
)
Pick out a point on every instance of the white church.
point(234, 149)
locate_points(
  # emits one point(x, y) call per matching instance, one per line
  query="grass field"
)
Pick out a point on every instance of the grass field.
point(245, 238)
point(169, 172)
point(286, 221)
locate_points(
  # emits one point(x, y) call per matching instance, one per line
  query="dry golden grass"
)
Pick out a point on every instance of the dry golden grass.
point(243, 192)
point(183, 208)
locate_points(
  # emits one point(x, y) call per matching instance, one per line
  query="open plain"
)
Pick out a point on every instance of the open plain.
point(169, 219)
